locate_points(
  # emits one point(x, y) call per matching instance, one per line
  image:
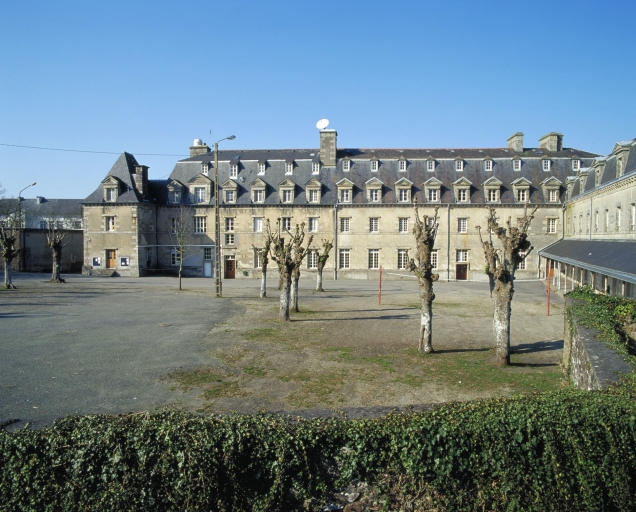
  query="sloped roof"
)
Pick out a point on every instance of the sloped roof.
point(122, 170)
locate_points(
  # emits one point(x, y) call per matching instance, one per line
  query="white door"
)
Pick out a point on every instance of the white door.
point(207, 268)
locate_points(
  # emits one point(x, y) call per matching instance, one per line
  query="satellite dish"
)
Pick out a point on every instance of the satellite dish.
point(322, 124)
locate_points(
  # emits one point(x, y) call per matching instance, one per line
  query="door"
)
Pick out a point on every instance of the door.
point(207, 261)
point(230, 267)
point(111, 259)
point(461, 272)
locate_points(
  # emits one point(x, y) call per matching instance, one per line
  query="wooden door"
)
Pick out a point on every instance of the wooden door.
point(461, 272)
point(230, 267)
point(111, 259)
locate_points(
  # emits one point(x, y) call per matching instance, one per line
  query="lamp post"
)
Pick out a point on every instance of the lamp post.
point(20, 225)
point(217, 220)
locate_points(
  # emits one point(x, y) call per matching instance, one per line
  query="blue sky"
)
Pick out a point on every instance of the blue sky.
point(148, 77)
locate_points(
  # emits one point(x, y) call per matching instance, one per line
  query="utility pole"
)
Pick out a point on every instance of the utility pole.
point(217, 219)
point(21, 225)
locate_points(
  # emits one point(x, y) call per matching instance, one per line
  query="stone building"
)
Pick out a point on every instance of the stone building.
point(362, 199)
point(599, 247)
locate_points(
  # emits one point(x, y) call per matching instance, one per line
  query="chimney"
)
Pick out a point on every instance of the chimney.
point(141, 179)
point(515, 142)
point(552, 141)
point(198, 148)
point(328, 147)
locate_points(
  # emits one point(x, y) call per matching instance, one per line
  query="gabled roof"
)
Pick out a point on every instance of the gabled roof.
point(463, 181)
point(200, 178)
point(122, 169)
point(433, 182)
point(313, 182)
point(492, 181)
point(521, 181)
point(258, 183)
point(551, 180)
point(403, 181)
point(373, 181)
point(344, 182)
point(287, 183)
point(229, 184)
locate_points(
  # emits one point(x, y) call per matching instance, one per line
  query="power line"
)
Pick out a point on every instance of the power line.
point(85, 150)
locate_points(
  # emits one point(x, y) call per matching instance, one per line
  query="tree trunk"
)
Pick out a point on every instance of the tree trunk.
point(56, 254)
point(285, 292)
point(180, 266)
point(294, 293)
point(501, 322)
point(263, 292)
point(280, 281)
point(426, 323)
point(8, 281)
point(319, 281)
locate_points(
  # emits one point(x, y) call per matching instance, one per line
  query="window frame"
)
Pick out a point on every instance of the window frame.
point(345, 225)
point(285, 224)
point(374, 222)
point(257, 224)
point(373, 259)
point(402, 259)
point(312, 224)
point(403, 224)
point(344, 259)
point(199, 194)
point(109, 223)
point(461, 255)
point(462, 224)
point(200, 224)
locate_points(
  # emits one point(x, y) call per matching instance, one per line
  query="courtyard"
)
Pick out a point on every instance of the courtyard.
point(116, 345)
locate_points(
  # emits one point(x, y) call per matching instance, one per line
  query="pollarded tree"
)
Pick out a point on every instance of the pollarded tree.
point(501, 265)
point(323, 256)
point(181, 232)
point(8, 249)
point(263, 253)
point(425, 230)
point(298, 256)
point(55, 241)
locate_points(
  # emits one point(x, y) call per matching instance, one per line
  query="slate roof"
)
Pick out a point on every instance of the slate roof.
point(609, 257)
point(47, 208)
point(388, 171)
point(122, 169)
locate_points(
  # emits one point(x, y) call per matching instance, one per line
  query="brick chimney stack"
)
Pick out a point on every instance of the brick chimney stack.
point(328, 147)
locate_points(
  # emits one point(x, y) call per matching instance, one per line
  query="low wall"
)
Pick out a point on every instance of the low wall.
point(590, 363)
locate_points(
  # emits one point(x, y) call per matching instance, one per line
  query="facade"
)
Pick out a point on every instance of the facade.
point(362, 199)
point(599, 247)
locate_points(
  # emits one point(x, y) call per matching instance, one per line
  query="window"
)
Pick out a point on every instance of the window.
point(459, 165)
point(493, 195)
point(287, 196)
point(402, 259)
point(174, 196)
point(314, 195)
point(346, 165)
point(199, 194)
point(430, 165)
point(552, 225)
point(404, 195)
point(109, 223)
point(312, 225)
point(374, 224)
point(285, 223)
point(553, 196)
point(487, 165)
point(257, 224)
point(433, 261)
point(229, 223)
point(111, 194)
point(45, 225)
point(461, 255)
point(312, 259)
point(402, 165)
point(522, 196)
point(516, 164)
point(374, 259)
point(200, 224)
point(462, 225)
point(207, 253)
point(345, 224)
point(229, 239)
point(462, 195)
point(374, 165)
point(576, 164)
point(374, 195)
point(289, 167)
point(522, 263)
point(315, 168)
point(258, 195)
point(175, 256)
point(403, 224)
point(258, 259)
point(343, 258)
point(433, 195)
point(261, 168)
point(233, 171)
point(205, 167)
point(345, 195)
point(230, 196)
point(546, 165)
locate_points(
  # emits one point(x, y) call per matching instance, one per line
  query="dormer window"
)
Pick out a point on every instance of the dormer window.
point(546, 165)
point(315, 168)
point(462, 195)
point(312, 191)
point(199, 195)
point(287, 196)
point(459, 165)
point(345, 190)
point(345, 195)
point(493, 195)
point(261, 168)
point(286, 191)
point(289, 168)
point(402, 165)
point(374, 195)
point(205, 168)
point(516, 164)
point(553, 196)
point(258, 195)
point(576, 164)
point(433, 195)
point(174, 196)
point(487, 165)
point(233, 171)
point(404, 195)
point(346, 165)
point(522, 195)
point(110, 194)
point(374, 166)
point(314, 195)
point(430, 165)
point(230, 196)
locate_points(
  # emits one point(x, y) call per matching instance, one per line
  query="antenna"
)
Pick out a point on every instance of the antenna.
point(322, 123)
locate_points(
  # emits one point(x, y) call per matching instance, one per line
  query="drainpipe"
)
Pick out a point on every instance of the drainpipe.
point(335, 241)
point(448, 242)
point(590, 225)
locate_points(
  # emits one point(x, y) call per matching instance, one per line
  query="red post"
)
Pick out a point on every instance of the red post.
point(380, 287)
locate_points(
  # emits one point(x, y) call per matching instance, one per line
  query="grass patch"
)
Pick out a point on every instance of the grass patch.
point(386, 362)
point(256, 371)
point(341, 353)
point(215, 382)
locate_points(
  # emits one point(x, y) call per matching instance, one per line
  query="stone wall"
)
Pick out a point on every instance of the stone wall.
point(590, 363)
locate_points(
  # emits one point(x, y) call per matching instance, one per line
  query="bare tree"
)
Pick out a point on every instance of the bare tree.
point(425, 230)
point(55, 241)
point(181, 231)
point(263, 253)
point(285, 255)
point(323, 256)
point(298, 256)
point(8, 250)
point(501, 265)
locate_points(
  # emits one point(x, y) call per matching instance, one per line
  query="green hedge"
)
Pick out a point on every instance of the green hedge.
point(562, 451)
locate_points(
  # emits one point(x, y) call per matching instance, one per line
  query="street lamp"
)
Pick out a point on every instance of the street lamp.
point(20, 225)
point(217, 220)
